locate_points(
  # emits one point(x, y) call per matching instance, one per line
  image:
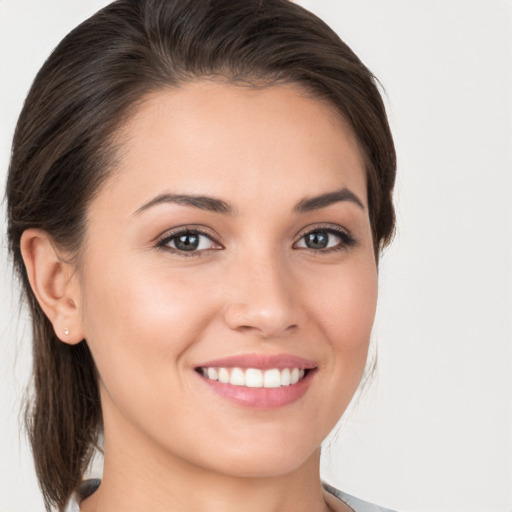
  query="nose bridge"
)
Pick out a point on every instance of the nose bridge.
point(261, 298)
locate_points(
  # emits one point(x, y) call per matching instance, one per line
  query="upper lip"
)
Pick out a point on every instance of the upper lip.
point(261, 361)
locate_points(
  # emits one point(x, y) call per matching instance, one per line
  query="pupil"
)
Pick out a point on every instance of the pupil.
point(187, 242)
point(317, 240)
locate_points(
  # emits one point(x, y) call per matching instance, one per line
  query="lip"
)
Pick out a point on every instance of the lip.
point(261, 398)
point(261, 361)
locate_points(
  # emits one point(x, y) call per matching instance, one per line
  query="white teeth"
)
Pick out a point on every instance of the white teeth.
point(285, 377)
point(223, 375)
point(254, 377)
point(237, 377)
point(272, 379)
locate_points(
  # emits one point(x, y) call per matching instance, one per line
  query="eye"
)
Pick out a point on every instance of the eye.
point(188, 241)
point(325, 239)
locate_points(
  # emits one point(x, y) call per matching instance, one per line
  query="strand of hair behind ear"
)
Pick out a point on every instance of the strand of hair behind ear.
point(65, 385)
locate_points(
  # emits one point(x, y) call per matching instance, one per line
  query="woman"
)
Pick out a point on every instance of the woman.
point(197, 198)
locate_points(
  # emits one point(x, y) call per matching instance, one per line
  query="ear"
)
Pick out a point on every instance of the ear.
point(54, 283)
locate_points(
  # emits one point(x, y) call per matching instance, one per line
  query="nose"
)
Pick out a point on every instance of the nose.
point(261, 299)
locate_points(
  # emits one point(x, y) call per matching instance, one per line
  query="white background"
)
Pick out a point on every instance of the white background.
point(434, 433)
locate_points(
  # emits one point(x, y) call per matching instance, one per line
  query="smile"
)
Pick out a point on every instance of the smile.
point(259, 381)
point(254, 377)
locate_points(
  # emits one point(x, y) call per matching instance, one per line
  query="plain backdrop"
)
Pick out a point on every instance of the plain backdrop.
point(434, 431)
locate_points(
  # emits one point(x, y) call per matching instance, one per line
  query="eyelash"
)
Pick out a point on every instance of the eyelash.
point(168, 237)
point(346, 240)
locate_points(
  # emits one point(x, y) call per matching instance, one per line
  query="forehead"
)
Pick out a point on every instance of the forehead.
point(234, 140)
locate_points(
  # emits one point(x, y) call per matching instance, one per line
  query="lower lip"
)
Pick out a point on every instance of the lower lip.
point(261, 398)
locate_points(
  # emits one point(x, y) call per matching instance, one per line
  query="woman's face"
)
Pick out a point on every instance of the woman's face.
point(229, 255)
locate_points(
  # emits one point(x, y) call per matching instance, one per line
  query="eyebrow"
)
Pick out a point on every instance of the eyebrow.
point(215, 205)
point(315, 203)
point(202, 202)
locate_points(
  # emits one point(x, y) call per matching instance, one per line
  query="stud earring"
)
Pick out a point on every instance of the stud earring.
point(66, 331)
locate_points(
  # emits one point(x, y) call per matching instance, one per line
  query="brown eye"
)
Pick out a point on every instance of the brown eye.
point(188, 242)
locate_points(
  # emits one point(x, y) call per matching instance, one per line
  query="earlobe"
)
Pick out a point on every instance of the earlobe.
point(54, 284)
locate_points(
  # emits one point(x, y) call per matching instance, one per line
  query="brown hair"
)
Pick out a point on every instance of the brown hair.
point(63, 151)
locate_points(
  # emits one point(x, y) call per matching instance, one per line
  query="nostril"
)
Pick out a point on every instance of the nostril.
point(270, 316)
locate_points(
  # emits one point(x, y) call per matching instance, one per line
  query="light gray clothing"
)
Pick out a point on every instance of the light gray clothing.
point(89, 486)
point(355, 504)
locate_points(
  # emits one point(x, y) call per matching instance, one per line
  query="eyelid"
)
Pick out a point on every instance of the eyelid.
point(347, 239)
point(165, 237)
point(319, 226)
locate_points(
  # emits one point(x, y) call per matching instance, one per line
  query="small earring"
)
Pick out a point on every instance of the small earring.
point(66, 331)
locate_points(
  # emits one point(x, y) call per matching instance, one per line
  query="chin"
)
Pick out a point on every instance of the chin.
point(268, 465)
point(264, 454)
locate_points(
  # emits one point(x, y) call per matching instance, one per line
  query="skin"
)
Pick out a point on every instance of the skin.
point(151, 315)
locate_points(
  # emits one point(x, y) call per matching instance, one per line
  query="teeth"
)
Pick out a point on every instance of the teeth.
point(223, 375)
point(237, 377)
point(272, 379)
point(285, 377)
point(254, 377)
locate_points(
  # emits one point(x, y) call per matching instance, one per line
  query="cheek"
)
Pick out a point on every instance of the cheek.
point(140, 325)
point(344, 303)
point(139, 320)
point(347, 311)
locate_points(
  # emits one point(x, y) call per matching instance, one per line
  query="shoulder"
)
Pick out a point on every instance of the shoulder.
point(85, 489)
point(89, 486)
point(354, 503)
